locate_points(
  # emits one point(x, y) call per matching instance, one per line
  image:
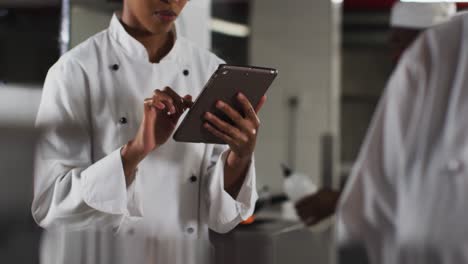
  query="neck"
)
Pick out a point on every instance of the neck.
point(157, 45)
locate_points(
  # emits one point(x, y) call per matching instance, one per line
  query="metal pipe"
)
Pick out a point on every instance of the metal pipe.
point(64, 38)
point(327, 156)
point(293, 104)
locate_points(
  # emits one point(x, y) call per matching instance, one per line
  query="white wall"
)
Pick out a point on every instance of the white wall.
point(19, 104)
point(195, 22)
point(301, 39)
point(87, 21)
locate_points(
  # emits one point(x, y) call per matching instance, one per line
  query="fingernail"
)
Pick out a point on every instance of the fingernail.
point(207, 115)
point(219, 104)
point(240, 96)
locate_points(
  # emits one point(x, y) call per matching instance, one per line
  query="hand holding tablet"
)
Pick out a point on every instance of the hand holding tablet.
point(232, 89)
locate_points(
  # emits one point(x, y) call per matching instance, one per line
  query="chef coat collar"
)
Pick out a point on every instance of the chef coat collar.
point(132, 46)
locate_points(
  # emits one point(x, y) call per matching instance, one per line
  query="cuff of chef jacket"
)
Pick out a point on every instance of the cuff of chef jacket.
point(233, 211)
point(104, 188)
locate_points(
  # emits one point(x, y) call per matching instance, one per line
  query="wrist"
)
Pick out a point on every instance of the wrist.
point(235, 160)
point(132, 155)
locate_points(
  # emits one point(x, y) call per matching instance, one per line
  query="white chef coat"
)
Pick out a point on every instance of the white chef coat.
point(407, 198)
point(92, 105)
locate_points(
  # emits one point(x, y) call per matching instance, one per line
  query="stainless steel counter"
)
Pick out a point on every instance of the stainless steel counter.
point(272, 241)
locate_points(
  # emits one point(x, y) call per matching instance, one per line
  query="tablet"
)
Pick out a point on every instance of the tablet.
point(224, 84)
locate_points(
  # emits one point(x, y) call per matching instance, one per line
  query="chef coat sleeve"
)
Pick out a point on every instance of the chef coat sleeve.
point(225, 212)
point(367, 210)
point(72, 189)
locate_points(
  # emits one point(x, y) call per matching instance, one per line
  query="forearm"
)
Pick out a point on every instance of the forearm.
point(131, 157)
point(235, 171)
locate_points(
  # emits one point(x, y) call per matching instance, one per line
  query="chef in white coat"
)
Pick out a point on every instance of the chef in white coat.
point(408, 20)
point(407, 199)
point(107, 164)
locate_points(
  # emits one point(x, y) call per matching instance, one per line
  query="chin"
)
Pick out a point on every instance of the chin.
point(160, 28)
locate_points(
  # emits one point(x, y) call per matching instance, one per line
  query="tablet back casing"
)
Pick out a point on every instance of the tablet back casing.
point(224, 85)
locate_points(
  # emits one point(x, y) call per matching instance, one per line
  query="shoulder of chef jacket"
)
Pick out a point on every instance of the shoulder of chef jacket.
point(91, 106)
point(413, 135)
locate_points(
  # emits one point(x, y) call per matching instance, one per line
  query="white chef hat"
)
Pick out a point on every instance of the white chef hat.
point(419, 15)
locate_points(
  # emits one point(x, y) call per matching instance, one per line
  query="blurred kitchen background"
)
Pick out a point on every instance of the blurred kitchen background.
point(333, 59)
